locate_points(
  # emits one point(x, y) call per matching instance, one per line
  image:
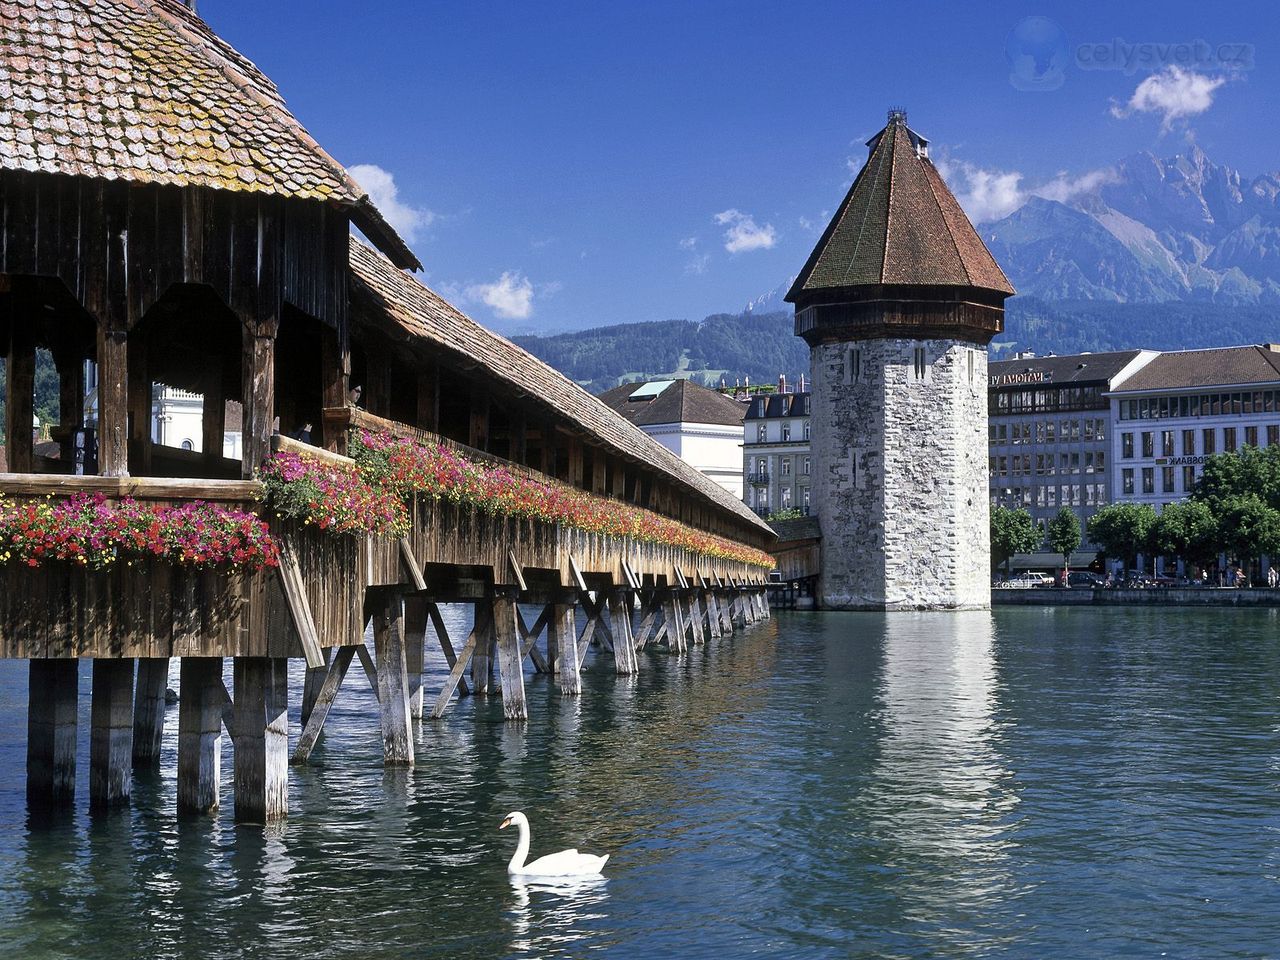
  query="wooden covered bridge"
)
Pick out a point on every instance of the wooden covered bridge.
point(166, 222)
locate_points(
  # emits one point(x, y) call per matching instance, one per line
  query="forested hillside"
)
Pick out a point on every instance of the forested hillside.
point(723, 345)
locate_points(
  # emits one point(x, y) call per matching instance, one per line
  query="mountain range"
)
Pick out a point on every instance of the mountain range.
point(1149, 230)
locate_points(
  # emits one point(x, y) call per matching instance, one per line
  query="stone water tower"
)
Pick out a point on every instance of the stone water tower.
point(898, 302)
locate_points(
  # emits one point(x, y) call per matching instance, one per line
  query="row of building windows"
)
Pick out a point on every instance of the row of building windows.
point(1167, 477)
point(1067, 495)
point(1048, 431)
point(762, 433)
point(1203, 405)
point(1042, 400)
point(1047, 465)
point(784, 466)
point(854, 367)
point(785, 501)
point(1231, 437)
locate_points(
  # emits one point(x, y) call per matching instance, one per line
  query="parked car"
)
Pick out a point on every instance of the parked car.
point(1085, 579)
point(1028, 579)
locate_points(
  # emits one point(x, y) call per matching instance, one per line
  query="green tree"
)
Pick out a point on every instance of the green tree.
point(1123, 530)
point(1249, 528)
point(1064, 536)
point(1012, 531)
point(1187, 529)
point(1250, 471)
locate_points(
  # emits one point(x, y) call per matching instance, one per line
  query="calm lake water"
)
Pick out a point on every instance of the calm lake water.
point(1033, 783)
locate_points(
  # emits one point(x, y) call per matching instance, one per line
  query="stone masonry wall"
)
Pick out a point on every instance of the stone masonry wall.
point(901, 474)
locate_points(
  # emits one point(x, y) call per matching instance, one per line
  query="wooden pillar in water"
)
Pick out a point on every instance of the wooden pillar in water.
point(713, 614)
point(625, 660)
point(148, 711)
point(675, 621)
point(563, 635)
point(482, 659)
point(695, 617)
point(260, 734)
point(312, 682)
point(393, 681)
point(510, 663)
point(415, 639)
point(111, 733)
point(52, 712)
point(201, 699)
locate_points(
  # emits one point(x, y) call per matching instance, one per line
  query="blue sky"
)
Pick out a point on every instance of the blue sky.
point(560, 165)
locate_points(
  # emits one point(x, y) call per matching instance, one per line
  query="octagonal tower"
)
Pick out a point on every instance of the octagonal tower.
point(898, 302)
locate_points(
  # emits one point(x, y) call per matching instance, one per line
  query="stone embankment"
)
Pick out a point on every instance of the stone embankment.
point(1157, 596)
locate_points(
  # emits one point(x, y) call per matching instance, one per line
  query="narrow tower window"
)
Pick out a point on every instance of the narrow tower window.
point(920, 364)
point(972, 354)
point(855, 365)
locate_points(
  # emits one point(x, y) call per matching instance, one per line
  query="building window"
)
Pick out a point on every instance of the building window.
point(855, 365)
point(762, 433)
point(762, 499)
point(1210, 446)
point(1250, 436)
point(1101, 461)
point(1126, 479)
point(1148, 444)
point(806, 429)
point(786, 466)
point(804, 499)
point(806, 465)
point(1229, 439)
point(1188, 443)
point(1126, 445)
point(1166, 479)
point(188, 445)
point(1166, 443)
point(1102, 430)
point(1273, 435)
point(1188, 478)
point(1148, 479)
point(920, 365)
point(786, 498)
point(786, 432)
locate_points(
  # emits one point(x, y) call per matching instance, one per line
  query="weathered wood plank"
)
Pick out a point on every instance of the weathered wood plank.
point(148, 711)
point(260, 733)
point(314, 724)
point(52, 713)
point(510, 662)
point(111, 733)
point(202, 699)
point(393, 682)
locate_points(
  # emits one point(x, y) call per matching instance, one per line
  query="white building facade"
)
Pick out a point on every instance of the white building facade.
point(777, 462)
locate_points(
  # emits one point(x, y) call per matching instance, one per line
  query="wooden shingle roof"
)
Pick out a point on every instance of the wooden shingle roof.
point(899, 224)
point(425, 316)
point(144, 91)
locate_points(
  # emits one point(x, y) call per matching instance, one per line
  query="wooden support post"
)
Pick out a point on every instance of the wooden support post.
point(314, 724)
point(713, 612)
point(260, 734)
point(258, 399)
point(52, 711)
point(480, 628)
point(148, 711)
point(335, 371)
point(624, 645)
point(482, 658)
point(446, 645)
point(113, 412)
point(510, 662)
point(139, 406)
point(415, 643)
point(674, 622)
point(649, 611)
point(201, 700)
point(213, 416)
point(696, 617)
point(563, 635)
point(20, 375)
point(393, 682)
point(312, 682)
point(529, 639)
point(70, 402)
point(111, 733)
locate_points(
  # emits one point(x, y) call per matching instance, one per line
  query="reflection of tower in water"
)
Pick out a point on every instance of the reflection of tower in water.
point(940, 797)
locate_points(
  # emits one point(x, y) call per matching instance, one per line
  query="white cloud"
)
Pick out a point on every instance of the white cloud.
point(688, 243)
point(697, 264)
point(510, 296)
point(988, 195)
point(744, 233)
point(384, 193)
point(1173, 93)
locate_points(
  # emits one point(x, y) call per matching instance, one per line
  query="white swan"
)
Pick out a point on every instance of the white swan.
point(566, 863)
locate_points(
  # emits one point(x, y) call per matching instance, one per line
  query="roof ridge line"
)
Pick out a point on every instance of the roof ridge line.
point(866, 213)
point(888, 209)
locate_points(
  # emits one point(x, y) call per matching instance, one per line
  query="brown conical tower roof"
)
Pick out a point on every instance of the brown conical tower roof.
point(899, 225)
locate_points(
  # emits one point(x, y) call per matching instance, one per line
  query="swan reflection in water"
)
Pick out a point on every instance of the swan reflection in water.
point(551, 914)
